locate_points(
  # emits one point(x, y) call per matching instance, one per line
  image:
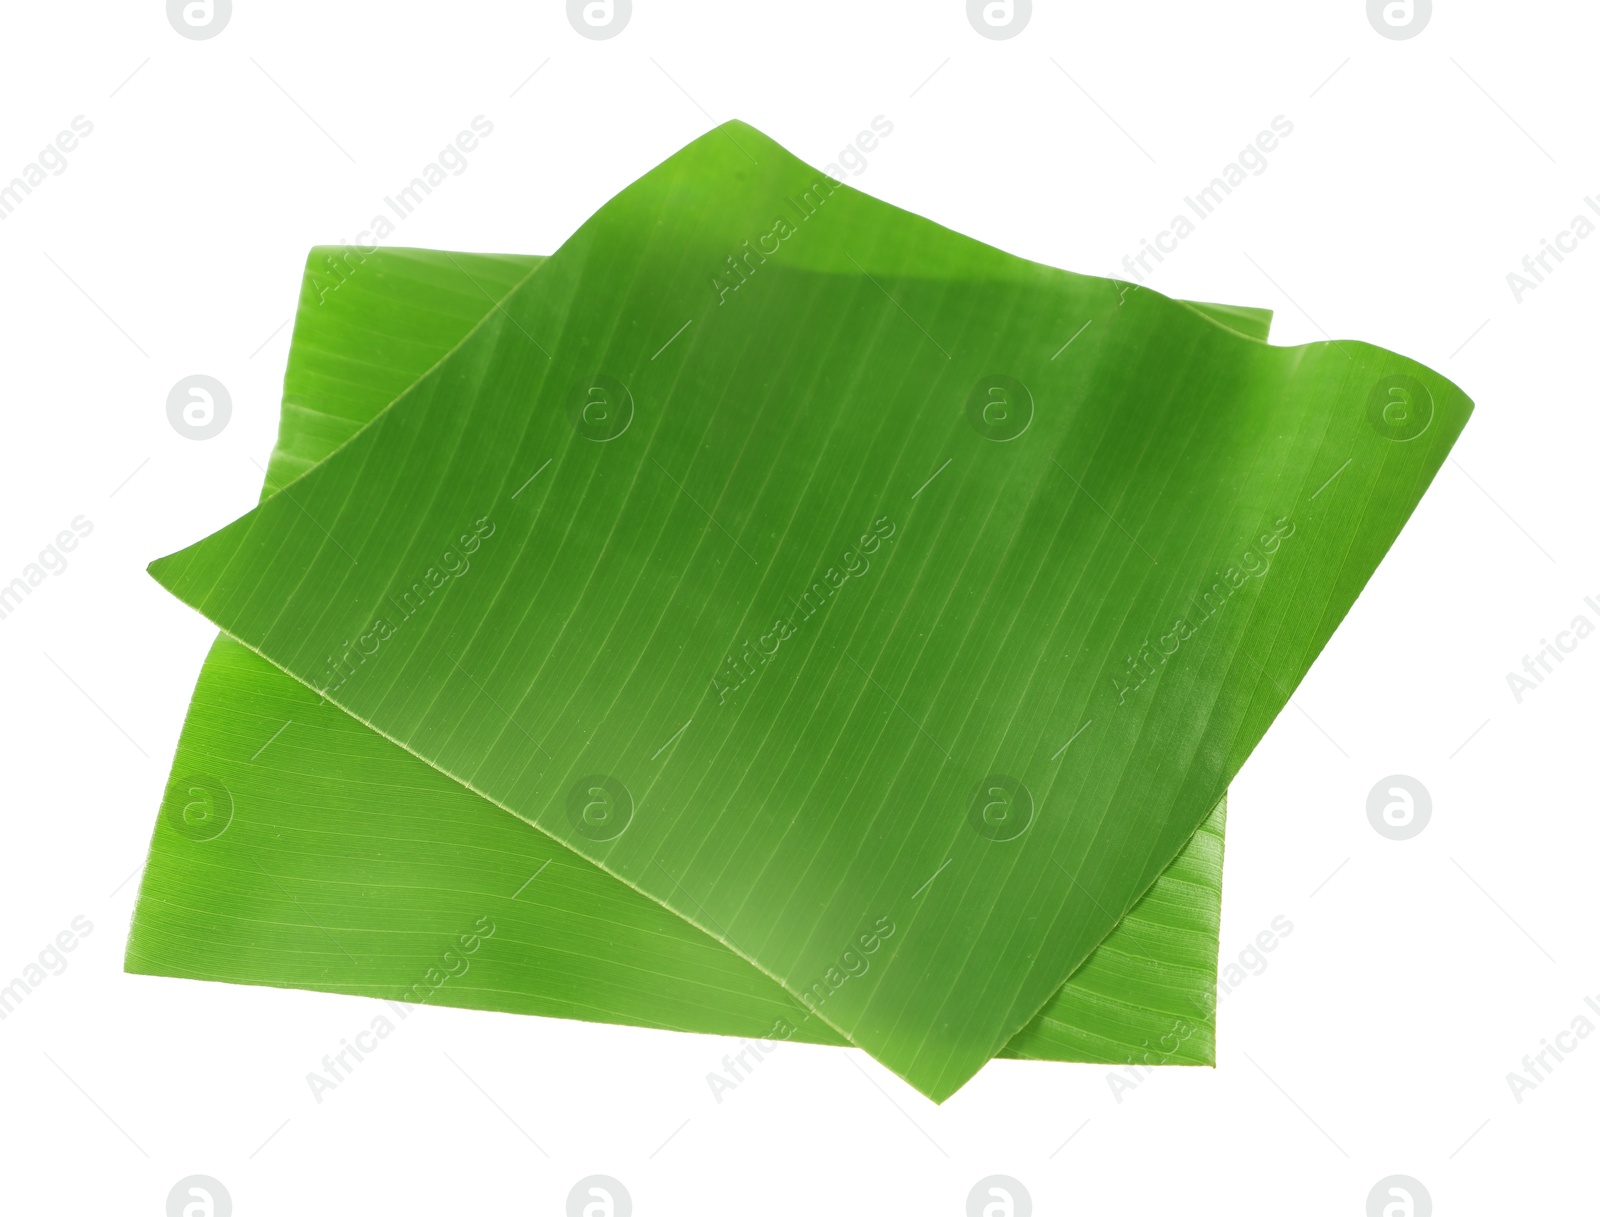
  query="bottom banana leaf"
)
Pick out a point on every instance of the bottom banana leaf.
point(298, 848)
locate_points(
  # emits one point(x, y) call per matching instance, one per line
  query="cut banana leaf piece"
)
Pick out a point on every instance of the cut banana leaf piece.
point(297, 847)
point(773, 549)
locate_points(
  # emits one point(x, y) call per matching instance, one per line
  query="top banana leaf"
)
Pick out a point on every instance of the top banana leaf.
point(928, 601)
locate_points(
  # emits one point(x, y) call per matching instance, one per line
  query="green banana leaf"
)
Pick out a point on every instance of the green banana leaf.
point(873, 624)
point(350, 866)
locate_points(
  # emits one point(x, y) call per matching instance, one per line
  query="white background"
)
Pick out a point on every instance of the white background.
point(1378, 1039)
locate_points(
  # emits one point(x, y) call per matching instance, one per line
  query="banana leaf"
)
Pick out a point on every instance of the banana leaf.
point(822, 589)
point(297, 848)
